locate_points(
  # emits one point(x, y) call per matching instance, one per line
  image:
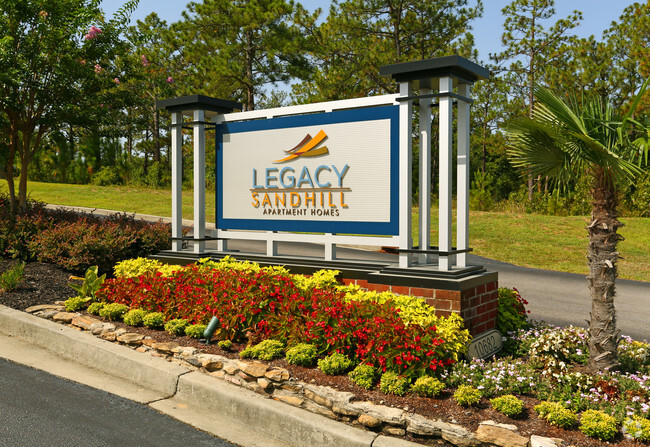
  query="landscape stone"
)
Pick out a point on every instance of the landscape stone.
point(265, 383)
point(277, 374)
point(540, 441)
point(319, 409)
point(218, 374)
point(84, 322)
point(327, 396)
point(230, 368)
point(40, 307)
point(495, 424)
point(185, 351)
point(369, 421)
point(211, 365)
point(458, 435)
point(392, 416)
point(130, 338)
point(253, 369)
point(292, 385)
point(109, 335)
point(419, 425)
point(165, 348)
point(345, 409)
point(48, 314)
point(500, 436)
point(64, 317)
point(288, 397)
point(393, 431)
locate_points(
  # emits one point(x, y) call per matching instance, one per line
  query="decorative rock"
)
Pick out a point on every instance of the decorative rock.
point(457, 435)
point(130, 338)
point(165, 348)
point(148, 342)
point(506, 426)
point(109, 335)
point(327, 396)
point(369, 421)
point(265, 383)
point(84, 322)
point(234, 380)
point(253, 369)
point(230, 368)
point(41, 307)
point(419, 425)
point(292, 385)
point(500, 436)
point(540, 441)
point(120, 331)
point(218, 374)
point(392, 416)
point(46, 313)
point(288, 399)
point(64, 317)
point(247, 377)
point(319, 409)
point(277, 375)
point(393, 431)
point(211, 365)
point(184, 351)
point(345, 410)
point(143, 348)
point(253, 386)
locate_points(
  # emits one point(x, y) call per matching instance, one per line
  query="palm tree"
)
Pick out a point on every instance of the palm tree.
point(564, 140)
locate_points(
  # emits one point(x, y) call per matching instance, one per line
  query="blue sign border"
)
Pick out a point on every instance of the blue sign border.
point(317, 119)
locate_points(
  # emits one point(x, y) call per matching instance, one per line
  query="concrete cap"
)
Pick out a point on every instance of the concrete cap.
point(198, 102)
point(457, 67)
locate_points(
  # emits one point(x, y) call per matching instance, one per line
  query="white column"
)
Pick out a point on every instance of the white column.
point(405, 154)
point(199, 181)
point(425, 175)
point(445, 178)
point(330, 249)
point(177, 180)
point(462, 177)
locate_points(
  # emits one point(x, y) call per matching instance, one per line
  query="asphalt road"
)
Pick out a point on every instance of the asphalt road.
point(39, 409)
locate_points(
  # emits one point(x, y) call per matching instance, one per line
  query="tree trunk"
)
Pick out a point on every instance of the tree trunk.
point(602, 257)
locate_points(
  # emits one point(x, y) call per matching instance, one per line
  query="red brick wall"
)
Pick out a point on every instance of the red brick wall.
point(477, 305)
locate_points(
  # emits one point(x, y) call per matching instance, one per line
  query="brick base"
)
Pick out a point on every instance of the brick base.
point(477, 305)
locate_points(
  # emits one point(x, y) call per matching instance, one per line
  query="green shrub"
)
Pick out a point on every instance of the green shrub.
point(467, 395)
point(598, 424)
point(265, 350)
point(427, 386)
point(225, 344)
point(509, 405)
point(555, 414)
point(637, 428)
point(154, 320)
point(364, 376)
point(95, 308)
point(392, 383)
point(113, 311)
point(195, 330)
point(512, 311)
point(176, 326)
point(302, 354)
point(75, 303)
point(335, 363)
point(10, 279)
point(135, 317)
point(633, 356)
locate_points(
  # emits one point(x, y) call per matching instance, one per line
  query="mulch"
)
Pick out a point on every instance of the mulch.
point(45, 283)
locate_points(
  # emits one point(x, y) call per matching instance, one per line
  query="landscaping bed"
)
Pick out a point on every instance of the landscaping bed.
point(46, 284)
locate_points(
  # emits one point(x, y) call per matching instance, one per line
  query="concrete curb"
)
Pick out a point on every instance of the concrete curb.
point(224, 408)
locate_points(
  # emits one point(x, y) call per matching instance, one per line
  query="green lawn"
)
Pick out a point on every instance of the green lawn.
point(531, 240)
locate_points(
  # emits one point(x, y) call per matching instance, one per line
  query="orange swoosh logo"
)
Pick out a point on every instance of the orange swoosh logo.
point(307, 148)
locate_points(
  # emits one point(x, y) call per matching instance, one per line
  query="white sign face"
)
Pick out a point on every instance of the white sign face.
point(331, 172)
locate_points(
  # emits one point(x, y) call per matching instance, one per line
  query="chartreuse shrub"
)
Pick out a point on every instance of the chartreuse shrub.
point(10, 279)
point(225, 344)
point(598, 424)
point(134, 317)
point(512, 311)
point(113, 311)
point(302, 354)
point(392, 383)
point(132, 268)
point(195, 330)
point(176, 326)
point(509, 405)
point(154, 320)
point(334, 364)
point(265, 350)
point(96, 307)
point(364, 376)
point(322, 279)
point(637, 428)
point(467, 395)
point(75, 303)
point(427, 386)
point(555, 414)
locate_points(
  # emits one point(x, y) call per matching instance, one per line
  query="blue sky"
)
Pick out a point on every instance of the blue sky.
point(598, 15)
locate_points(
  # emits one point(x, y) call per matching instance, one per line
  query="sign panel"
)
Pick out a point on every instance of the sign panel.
point(485, 345)
point(331, 172)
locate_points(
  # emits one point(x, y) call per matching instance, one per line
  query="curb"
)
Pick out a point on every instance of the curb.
point(222, 406)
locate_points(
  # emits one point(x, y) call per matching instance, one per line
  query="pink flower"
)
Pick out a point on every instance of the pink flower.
point(98, 68)
point(93, 32)
point(117, 81)
point(145, 62)
point(170, 80)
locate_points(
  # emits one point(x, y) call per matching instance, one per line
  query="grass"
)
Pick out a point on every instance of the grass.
point(529, 240)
